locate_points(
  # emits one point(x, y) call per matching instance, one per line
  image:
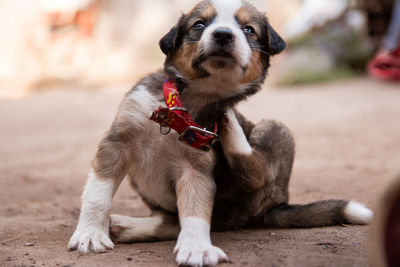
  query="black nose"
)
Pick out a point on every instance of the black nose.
point(223, 36)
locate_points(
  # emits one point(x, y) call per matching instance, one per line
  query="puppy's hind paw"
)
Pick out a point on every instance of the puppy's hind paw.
point(119, 228)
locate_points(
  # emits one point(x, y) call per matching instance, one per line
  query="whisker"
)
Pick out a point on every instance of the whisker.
point(261, 51)
point(192, 41)
point(259, 48)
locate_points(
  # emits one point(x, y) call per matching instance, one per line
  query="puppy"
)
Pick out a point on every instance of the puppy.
point(219, 171)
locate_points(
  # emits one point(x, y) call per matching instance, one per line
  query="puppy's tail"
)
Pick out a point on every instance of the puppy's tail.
point(321, 213)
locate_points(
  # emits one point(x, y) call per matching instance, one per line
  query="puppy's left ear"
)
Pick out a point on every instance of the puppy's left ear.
point(276, 43)
point(173, 39)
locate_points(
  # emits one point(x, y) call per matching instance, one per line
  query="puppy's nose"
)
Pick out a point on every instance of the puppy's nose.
point(223, 36)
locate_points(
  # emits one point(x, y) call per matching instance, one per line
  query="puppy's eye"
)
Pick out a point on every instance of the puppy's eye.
point(249, 30)
point(198, 25)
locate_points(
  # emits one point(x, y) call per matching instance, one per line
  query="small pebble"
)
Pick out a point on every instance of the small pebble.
point(129, 259)
point(29, 244)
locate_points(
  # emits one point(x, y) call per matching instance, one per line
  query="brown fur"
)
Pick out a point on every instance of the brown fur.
point(247, 15)
point(203, 11)
point(254, 69)
point(195, 193)
point(112, 156)
point(243, 16)
point(183, 60)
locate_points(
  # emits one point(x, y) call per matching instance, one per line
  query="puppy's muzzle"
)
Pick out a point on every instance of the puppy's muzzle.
point(223, 36)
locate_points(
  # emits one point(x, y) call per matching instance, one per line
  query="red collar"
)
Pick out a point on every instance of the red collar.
point(175, 116)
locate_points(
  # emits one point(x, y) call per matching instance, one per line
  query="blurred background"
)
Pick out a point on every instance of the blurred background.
point(47, 44)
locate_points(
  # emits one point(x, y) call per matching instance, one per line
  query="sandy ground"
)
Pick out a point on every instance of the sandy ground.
point(348, 141)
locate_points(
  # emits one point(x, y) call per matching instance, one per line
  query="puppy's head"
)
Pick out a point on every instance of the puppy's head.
point(220, 37)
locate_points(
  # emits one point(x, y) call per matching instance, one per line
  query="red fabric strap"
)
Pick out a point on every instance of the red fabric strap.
point(175, 116)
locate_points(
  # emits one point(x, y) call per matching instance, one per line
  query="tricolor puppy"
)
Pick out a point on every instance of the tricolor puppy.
point(198, 163)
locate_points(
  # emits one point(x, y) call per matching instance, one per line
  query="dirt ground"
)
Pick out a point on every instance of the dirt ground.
point(348, 142)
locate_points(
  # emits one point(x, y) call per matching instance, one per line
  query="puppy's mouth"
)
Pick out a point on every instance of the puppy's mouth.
point(218, 59)
point(221, 54)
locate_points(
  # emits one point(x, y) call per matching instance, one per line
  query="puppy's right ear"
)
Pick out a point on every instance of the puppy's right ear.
point(173, 39)
point(167, 43)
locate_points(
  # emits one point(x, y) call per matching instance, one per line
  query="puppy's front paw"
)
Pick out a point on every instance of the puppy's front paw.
point(198, 253)
point(90, 239)
point(233, 139)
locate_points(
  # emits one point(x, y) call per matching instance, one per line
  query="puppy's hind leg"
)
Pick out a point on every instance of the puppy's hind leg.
point(259, 154)
point(160, 227)
point(109, 168)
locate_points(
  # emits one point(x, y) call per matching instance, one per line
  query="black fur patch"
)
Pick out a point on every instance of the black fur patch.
point(276, 43)
point(174, 38)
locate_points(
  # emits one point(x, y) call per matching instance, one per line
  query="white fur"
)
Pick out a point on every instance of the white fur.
point(142, 97)
point(92, 231)
point(234, 140)
point(194, 246)
point(227, 8)
point(139, 228)
point(141, 105)
point(357, 213)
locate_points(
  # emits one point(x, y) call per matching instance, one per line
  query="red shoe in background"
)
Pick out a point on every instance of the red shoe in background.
point(386, 66)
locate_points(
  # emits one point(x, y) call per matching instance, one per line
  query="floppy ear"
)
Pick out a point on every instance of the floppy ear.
point(276, 43)
point(173, 39)
point(167, 43)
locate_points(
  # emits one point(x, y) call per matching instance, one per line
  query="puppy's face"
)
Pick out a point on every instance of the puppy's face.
point(222, 37)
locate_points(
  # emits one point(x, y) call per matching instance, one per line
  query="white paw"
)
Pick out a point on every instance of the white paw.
point(197, 253)
point(233, 139)
point(90, 239)
point(194, 246)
